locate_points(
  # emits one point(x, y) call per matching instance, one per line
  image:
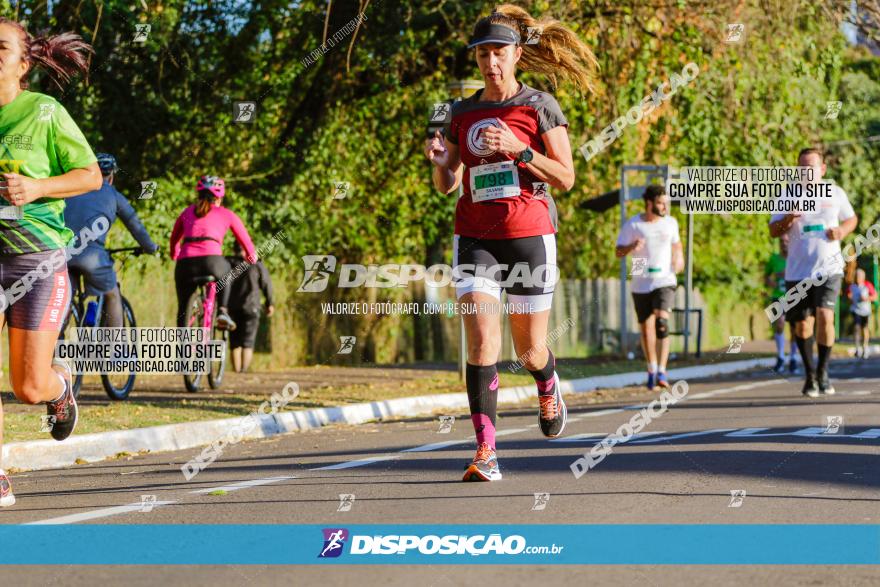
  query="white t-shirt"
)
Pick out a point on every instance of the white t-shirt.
point(659, 236)
point(809, 250)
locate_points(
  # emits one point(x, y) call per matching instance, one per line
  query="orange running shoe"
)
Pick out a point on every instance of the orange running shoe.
point(484, 466)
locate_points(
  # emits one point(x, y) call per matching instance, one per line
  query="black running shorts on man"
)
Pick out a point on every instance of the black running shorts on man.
point(661, 298)
point(817, 296)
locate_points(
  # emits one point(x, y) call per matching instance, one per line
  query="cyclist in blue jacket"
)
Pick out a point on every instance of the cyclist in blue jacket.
point(94, 262)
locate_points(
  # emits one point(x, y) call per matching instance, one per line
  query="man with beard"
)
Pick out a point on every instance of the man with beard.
point(652, 238)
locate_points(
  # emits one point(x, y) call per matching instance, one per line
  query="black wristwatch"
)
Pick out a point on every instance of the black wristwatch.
point(525, 156)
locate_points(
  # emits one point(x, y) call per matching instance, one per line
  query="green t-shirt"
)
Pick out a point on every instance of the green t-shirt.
point(776, 267)
point(39, 139)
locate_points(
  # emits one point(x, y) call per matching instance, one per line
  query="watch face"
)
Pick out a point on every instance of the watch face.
point(526, 155)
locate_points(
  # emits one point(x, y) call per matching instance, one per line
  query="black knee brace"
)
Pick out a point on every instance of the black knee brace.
point(662, 327)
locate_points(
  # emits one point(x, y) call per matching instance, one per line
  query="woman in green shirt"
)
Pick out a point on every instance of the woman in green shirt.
point(44, 158)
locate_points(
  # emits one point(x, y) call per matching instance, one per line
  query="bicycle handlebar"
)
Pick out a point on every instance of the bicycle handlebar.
point(135, 250)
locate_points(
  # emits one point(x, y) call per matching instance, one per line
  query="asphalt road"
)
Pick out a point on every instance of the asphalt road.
point(787, 459)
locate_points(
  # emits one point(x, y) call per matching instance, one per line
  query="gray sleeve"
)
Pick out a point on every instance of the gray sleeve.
point(450, 129)
point(266, 284)
point(130, 219)
point(549, 113)
point(554, 214)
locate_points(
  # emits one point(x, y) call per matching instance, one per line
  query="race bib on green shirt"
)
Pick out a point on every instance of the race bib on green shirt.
point(8, 211)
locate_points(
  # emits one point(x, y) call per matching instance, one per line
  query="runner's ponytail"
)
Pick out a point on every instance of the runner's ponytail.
point(559, 52)
point(60, 56)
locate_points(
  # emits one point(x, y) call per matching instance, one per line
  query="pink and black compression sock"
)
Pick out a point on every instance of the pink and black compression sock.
point(482, 389)
point(544, 378)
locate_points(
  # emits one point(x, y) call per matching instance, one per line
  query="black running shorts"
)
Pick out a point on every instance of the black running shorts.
point(817, 296)
point(523, 267)
point(661, 298)
point(36, 290)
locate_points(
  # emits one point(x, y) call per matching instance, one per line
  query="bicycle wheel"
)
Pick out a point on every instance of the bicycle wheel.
point(218, 368)
point(119, 385)
point(195, 312)
point(68, 332)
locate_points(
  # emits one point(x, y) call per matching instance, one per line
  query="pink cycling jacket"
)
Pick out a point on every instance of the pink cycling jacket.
point(198, 237)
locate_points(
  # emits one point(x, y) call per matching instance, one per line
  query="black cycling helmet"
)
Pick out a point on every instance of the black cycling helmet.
point(107, 163)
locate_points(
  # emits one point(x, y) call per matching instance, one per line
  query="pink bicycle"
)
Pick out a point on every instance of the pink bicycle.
point(201, 312)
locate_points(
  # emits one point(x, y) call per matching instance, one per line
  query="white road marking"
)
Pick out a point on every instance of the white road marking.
point(580, 437)
point(755, 432)
point(683, 435)
point(137, 507)
point(243, 485)
point(601, 413)
point(590, 436)
point(357, 463)
point(97, 514)
point(436, 445)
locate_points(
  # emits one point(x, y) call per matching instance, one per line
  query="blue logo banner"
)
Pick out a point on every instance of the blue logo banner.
point(244, 544)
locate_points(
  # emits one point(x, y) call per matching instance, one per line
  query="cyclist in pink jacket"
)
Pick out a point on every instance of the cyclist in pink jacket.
point(197, 246)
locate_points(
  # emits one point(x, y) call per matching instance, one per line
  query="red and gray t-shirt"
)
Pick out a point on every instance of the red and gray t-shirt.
point(503, 200)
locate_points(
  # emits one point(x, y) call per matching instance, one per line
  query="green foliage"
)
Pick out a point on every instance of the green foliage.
point(358, 114)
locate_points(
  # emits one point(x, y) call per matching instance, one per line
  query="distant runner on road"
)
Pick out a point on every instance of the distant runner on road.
point(653, 241)
point(861, 294)
point(814, 245)
point(774, 279)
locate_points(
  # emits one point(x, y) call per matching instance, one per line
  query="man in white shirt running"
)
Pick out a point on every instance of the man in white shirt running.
point(814, 254)
point(652, 239)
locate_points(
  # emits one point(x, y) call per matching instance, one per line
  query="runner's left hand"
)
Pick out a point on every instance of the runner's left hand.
point(20, 189)
point(502, 140)
point(834, 234)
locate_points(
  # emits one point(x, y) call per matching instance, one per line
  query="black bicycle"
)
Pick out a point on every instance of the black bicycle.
point(86, 313)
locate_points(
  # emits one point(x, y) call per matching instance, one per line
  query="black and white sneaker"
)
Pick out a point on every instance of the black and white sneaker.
point(552, 413)
point(825, 386)
point(810, 389)
point(63, 412)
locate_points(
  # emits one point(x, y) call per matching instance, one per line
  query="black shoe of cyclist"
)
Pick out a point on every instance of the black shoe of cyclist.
point(810, 389)
point(224, 322)
point(825, 386)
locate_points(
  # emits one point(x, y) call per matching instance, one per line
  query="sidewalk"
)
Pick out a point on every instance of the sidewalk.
point(87, 448)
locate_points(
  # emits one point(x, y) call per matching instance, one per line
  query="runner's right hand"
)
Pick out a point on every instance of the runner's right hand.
point(638, 245)
point(435, 150)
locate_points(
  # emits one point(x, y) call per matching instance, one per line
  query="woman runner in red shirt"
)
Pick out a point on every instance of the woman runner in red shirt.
point(508, 146)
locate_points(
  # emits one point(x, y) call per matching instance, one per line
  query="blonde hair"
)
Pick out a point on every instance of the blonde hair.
point(559, 52)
